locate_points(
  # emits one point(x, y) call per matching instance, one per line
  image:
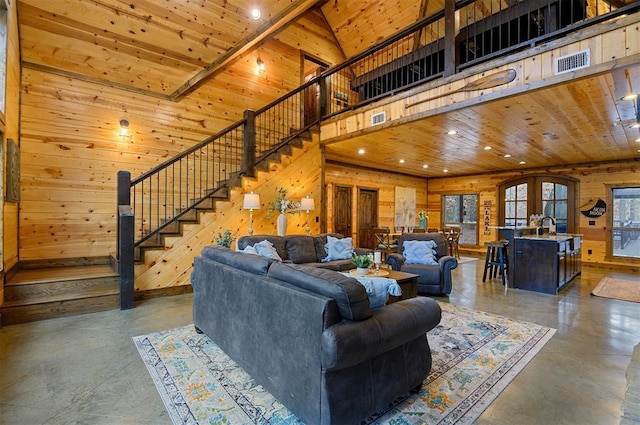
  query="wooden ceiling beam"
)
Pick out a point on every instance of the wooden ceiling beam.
point(265, 31)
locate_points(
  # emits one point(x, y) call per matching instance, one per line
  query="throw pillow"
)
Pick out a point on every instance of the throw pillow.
point(338, 249)
point(266, 249)
point(420, 252)
point(249, 249)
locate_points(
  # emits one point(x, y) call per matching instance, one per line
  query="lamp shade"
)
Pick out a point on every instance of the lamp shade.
point(306, 204)
point(251, 201)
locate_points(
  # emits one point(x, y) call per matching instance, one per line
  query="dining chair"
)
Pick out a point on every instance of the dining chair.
point(452, 235)
point(383, 240)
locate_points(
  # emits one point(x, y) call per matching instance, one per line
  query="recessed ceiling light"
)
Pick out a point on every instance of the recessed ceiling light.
point(636, 125)
point(445, 171)
point(630, 96)
point(507, 155)
point(401, 161)
point(522, 162)
point(256, 13)
point(487, 148)
point(638, 140)
point(361, 151)
point(452, 132)
point(425, 166)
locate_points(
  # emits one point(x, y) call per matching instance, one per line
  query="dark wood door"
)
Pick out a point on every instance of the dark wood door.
point(367, 217)
point(342, 210)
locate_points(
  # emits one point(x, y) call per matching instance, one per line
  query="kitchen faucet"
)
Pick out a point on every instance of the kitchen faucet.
point(552, 224)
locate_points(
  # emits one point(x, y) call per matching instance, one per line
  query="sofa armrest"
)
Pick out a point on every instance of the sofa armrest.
point(447, 263)
point(362, 251)
point(395, 260)
point(351, 342)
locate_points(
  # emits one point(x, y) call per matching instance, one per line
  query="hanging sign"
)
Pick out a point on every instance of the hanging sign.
point(487, 217)
point(594, 208)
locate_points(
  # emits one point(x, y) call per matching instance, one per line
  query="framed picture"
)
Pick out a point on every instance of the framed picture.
point(13, 172)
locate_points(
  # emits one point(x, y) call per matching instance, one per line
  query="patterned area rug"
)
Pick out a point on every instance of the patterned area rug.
point(475, 356)
point(619, 289)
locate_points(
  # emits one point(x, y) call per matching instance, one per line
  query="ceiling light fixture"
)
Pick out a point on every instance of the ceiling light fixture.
point(261, 66)
point(124, 128)
point(452, 132)
point(507, 155)
point(425, 166)
point(256, 13)
point(401, 161)
point(361, 151)
point(636, 125)
point(487, 148)
point(630, 96)
point(522, 162)
point(445, 171)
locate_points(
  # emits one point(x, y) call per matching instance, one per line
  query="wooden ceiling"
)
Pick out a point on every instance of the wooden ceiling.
point(171, 48)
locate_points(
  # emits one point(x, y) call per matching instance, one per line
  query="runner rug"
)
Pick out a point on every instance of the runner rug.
point(475, 356)
point(619, 289)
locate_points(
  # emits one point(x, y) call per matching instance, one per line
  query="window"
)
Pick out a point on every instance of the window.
point(462, 211)
point(549, 195)
point(626, 222)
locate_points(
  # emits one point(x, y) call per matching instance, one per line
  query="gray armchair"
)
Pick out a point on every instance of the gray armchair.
point(432, 279)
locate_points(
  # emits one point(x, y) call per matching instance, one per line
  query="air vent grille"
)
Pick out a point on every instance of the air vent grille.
point(573, 61)
point(378, 118)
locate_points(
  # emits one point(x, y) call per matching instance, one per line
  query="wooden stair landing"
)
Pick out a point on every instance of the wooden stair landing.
point(51, 292)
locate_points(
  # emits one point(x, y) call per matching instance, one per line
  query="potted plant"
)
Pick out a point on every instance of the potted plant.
point(362, 262)
point(225, 238)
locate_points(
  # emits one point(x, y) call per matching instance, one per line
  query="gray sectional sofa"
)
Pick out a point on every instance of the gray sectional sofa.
point(303, 249)
point(308, 335)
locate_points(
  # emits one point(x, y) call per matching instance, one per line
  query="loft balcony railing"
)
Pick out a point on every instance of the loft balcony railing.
point(432, 48)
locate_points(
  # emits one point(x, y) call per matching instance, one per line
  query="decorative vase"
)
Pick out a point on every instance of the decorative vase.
point(362, 270)
point(423, 223)
point(281, 224)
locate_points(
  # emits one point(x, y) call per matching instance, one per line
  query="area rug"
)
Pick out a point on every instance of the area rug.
point(619, 289)
point(475, 356)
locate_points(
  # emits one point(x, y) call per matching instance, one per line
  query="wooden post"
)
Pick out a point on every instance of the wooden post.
point(249, 143)
point(449, 37)
point(125, 253)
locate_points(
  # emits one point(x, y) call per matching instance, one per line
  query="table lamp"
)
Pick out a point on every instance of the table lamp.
point(306, 204)
point(251, 202)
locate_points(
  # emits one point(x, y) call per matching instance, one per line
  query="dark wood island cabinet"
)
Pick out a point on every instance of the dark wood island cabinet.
point(545, 263)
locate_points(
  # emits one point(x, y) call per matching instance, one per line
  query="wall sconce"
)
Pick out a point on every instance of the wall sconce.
point(261, 66)
point(124, 128)
point(307, 204)
point(251, 202)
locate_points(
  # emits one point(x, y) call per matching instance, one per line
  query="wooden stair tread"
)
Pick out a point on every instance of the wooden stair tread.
point(61, 298)
point(53, 274)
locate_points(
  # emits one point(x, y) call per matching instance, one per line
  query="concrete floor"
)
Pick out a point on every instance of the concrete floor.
point(86, 370)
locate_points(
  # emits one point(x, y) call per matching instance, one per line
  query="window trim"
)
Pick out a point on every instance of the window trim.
point(534, 195)
point(608, 255)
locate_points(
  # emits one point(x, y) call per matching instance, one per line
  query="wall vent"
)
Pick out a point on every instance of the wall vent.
point(573, 61)
point(378, 118)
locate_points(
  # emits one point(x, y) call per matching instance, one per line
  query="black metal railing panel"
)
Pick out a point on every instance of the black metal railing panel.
point(175, 188)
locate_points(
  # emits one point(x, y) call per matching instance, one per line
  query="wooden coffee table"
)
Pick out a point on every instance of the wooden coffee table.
point(408, 284)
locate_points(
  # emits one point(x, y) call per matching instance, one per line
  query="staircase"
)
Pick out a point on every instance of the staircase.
point(45, 291)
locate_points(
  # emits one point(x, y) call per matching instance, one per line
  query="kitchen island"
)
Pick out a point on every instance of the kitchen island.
point(542, 263)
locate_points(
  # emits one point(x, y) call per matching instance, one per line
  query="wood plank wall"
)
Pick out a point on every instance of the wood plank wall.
point(300, 175)
point(9, 126)
point(384, 182)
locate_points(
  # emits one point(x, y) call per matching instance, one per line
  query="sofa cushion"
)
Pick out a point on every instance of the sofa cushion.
point(420, 252)
point(251, 263)
point(338, 249)
point(320, 241)
point(349, 295)
point(300, 249)
point(218, 253)
point(337, 265)
point(277, 241)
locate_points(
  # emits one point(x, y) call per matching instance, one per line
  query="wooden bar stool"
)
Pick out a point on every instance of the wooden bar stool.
point(496, 260)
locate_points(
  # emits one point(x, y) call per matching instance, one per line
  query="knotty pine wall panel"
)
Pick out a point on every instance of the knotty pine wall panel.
point(9, 127)
point(300, 175)
point(384, 182)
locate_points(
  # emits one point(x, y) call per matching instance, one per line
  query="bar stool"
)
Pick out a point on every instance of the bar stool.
point(496, 261)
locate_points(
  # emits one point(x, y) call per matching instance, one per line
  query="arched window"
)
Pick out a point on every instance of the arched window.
point(549, 195)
